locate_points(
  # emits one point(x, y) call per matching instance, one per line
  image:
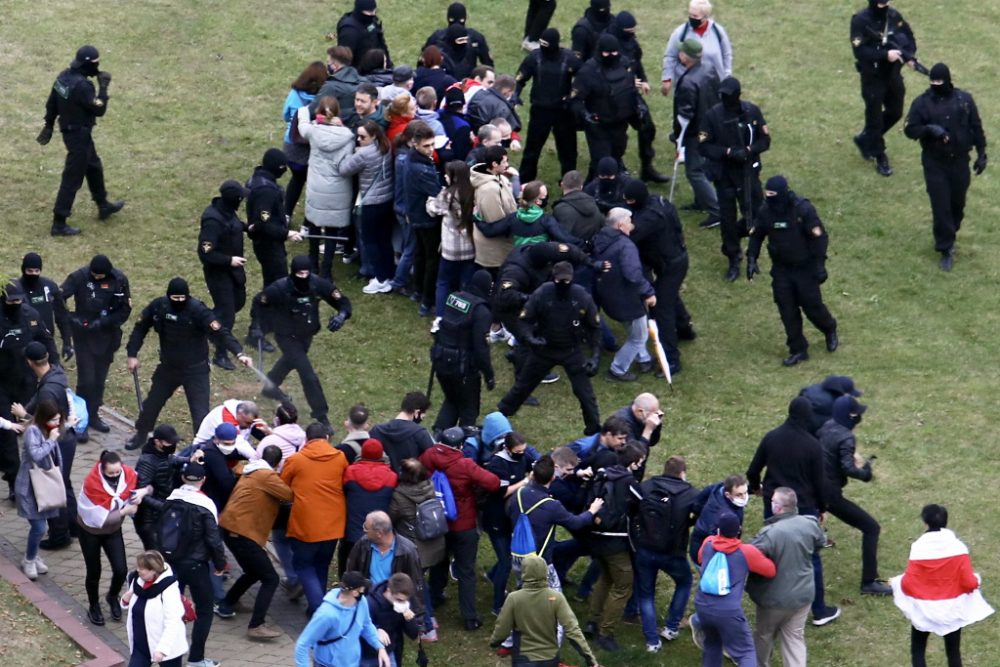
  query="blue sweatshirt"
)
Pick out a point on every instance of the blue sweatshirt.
point(331, 621)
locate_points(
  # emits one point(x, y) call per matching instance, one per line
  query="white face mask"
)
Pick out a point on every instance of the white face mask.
point(739, 502)
point(401, 607)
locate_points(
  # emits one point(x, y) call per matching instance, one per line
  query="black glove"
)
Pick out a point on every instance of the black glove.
point(590, 365)
point(536, 341)
point(752, 268)
point(739, 154)
point(979, 166)
point(103, 79)
point(336, 321)
point(45, 136)
point(821, 275)
point(937, 132)
point(67, 351)
point(491, 383)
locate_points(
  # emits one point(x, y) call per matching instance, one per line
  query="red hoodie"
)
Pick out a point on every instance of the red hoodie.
point(464, 476)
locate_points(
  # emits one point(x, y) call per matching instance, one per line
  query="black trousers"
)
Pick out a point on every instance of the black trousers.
point(947, 183)
point(82, 162)
point(256, 566)
point(296, 182)
point(883, 97)
point(64, 526)
point(645, 130)
point(229, 295)
point(114, 548)
point(796, 291)
point(92, 375)
point(10, 457)
point(543, 122)
point(670, 313)
point(461, 401)
point(196, 575)
point(604, 139)
point(730, 195)
point(295, 356)
point(952, 647)
point(537, 366)
point(273, 260)
point(462, 547)
point(323, 269)
point(854, 516)
point(426, 260)
point(537, 19)
point(166, 379)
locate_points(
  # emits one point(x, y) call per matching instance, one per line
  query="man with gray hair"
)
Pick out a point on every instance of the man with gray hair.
point(382, 553)
point(789, 539)
point(486, 136)
point(717, 50)
point(624, 293)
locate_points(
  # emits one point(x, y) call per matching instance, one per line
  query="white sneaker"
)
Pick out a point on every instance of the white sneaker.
point(500, 334)
point(40, 566)
point(669, 635)
point(373, 287)
point(207, 662)
point(654, 648)
point(29, 569)
point(386, 287)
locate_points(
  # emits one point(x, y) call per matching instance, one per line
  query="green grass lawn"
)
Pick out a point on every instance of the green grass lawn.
point(196, 99)
point(30, 639)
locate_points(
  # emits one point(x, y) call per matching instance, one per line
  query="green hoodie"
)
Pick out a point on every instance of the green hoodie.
point(529, 216)
point(534, 613)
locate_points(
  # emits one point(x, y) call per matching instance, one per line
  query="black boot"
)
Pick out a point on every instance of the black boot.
point(734, 270)
point(222, 360)
point(108, 209)
point(95, 615)
point(60, 228)
point(98, 424)
point(650, 174)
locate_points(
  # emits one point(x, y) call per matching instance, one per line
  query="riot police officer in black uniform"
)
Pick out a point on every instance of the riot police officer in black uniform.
point(220, 249)
point(552, 69)
point(557, 319)
point(20, 324)
point(360, 30)
point(103, 303)
point(946, 121)
point(796, 242)
point(732, 138)
point(604, 99)
point(184, 325)
point(588, 29)
point(882, 41)
point(457, 14)
point(77, 105)
point(290, 308)
point(660, 239)
point(461, 353)
point(43, 295)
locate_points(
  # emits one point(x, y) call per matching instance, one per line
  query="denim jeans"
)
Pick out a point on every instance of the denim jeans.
point(402, 276)
point(35, 534)
point(500, 572)
point(452, 276)
point(311, 561)
point(376, 240)
point(283, 548)
point(647, 565)
point(633, 348)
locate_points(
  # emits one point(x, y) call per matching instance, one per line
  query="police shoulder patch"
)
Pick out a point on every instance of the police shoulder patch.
point(214, 325)
point(34, 323)
point(263, 298)
point(523, 314)
point(817, 231)
point(337, 294)
point(856, 42)
point(563, 247)
point(458, 303)
point(780, 224)
point(506, 284)
point(765, 130)
point(702, 136)
point(265, 215)
point(206, 246)
point(98, 103)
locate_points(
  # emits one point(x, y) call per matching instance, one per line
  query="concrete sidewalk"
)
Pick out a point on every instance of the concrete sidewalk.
point(227, 641)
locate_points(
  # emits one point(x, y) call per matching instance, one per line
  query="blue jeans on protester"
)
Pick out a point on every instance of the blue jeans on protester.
point(402, 276)
point(647, 565)
point(376, 240)
point(452, 276)
point(283, 548)
point(500, 572)
point(35, 534)
point(311, 561)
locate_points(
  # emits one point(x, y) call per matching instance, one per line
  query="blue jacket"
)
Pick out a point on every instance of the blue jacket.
point(333, 620)
point(545, 517)
point(480, 447)
point(713, 502)
point(459, 132)
point(421, 182)
point(400, 165)
point(620, 291)
point(295, 100)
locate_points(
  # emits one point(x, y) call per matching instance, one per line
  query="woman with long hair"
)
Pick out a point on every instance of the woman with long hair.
point(303, 92)
point(456, 203)
point(155, 621)
point(108, 496)
point(373, 161)
point(40, 449)
point(329, 196)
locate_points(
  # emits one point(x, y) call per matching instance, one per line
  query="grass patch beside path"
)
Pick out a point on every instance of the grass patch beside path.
point(30, 639)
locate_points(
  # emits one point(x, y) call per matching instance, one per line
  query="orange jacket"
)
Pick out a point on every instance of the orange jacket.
point(316, 476)
point(254, 504)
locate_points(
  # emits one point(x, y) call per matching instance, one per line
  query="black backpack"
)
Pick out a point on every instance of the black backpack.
point(430, 521)
point(174, 529)
point(659, 519)
point(613, 516)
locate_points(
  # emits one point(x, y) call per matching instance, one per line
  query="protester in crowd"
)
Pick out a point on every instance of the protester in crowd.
point(155, 621)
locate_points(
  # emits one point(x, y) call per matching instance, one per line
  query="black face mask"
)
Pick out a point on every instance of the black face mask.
point(730, 103)
point(695, 23)
point(610, 60)
point(856, 419)
point(778, 203)
point(543, 202)
point(607, 187)
point(519, 456)
point(170, 449)
point(232, 203)
point(279, 172)
point(506, 142)
point(366, 19)
point(301, 284)
point(90, 69)
point(178, 306)
point(30, 281)
point(941, 89)
point(12, 310)
point(112, 481)
point(417, 418)
point(562, 289)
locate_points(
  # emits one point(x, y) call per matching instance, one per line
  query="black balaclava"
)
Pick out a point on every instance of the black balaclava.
point(637, 191)
point(562, 278)
point(86, 61)
point(301, 263)
point(361, 6)
point(880, 12)
point(481, 284)
point(275, 162)
point(178, 287)
point(623, 23)
point(31, 261)
point(551, 38)
point(729, 94)
point(600, 12)
point(607, 44)
point(12, 310)
point(457, 13)
point(100, 265)
point(800, 412)
point(231, 193)
point(455, 32)
point(843, 414)
point(940, 72)
point(778, 202)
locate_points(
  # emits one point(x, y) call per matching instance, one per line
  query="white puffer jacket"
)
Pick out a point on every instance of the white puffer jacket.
point(164, 619)
point(329, 196)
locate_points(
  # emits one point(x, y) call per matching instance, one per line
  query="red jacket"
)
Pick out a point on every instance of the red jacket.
point(464, 476)
point(368, 487)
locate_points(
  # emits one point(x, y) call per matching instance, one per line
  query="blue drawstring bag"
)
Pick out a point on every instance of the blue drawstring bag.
point(78, 407)
point(442, 489)
point(715, 576)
